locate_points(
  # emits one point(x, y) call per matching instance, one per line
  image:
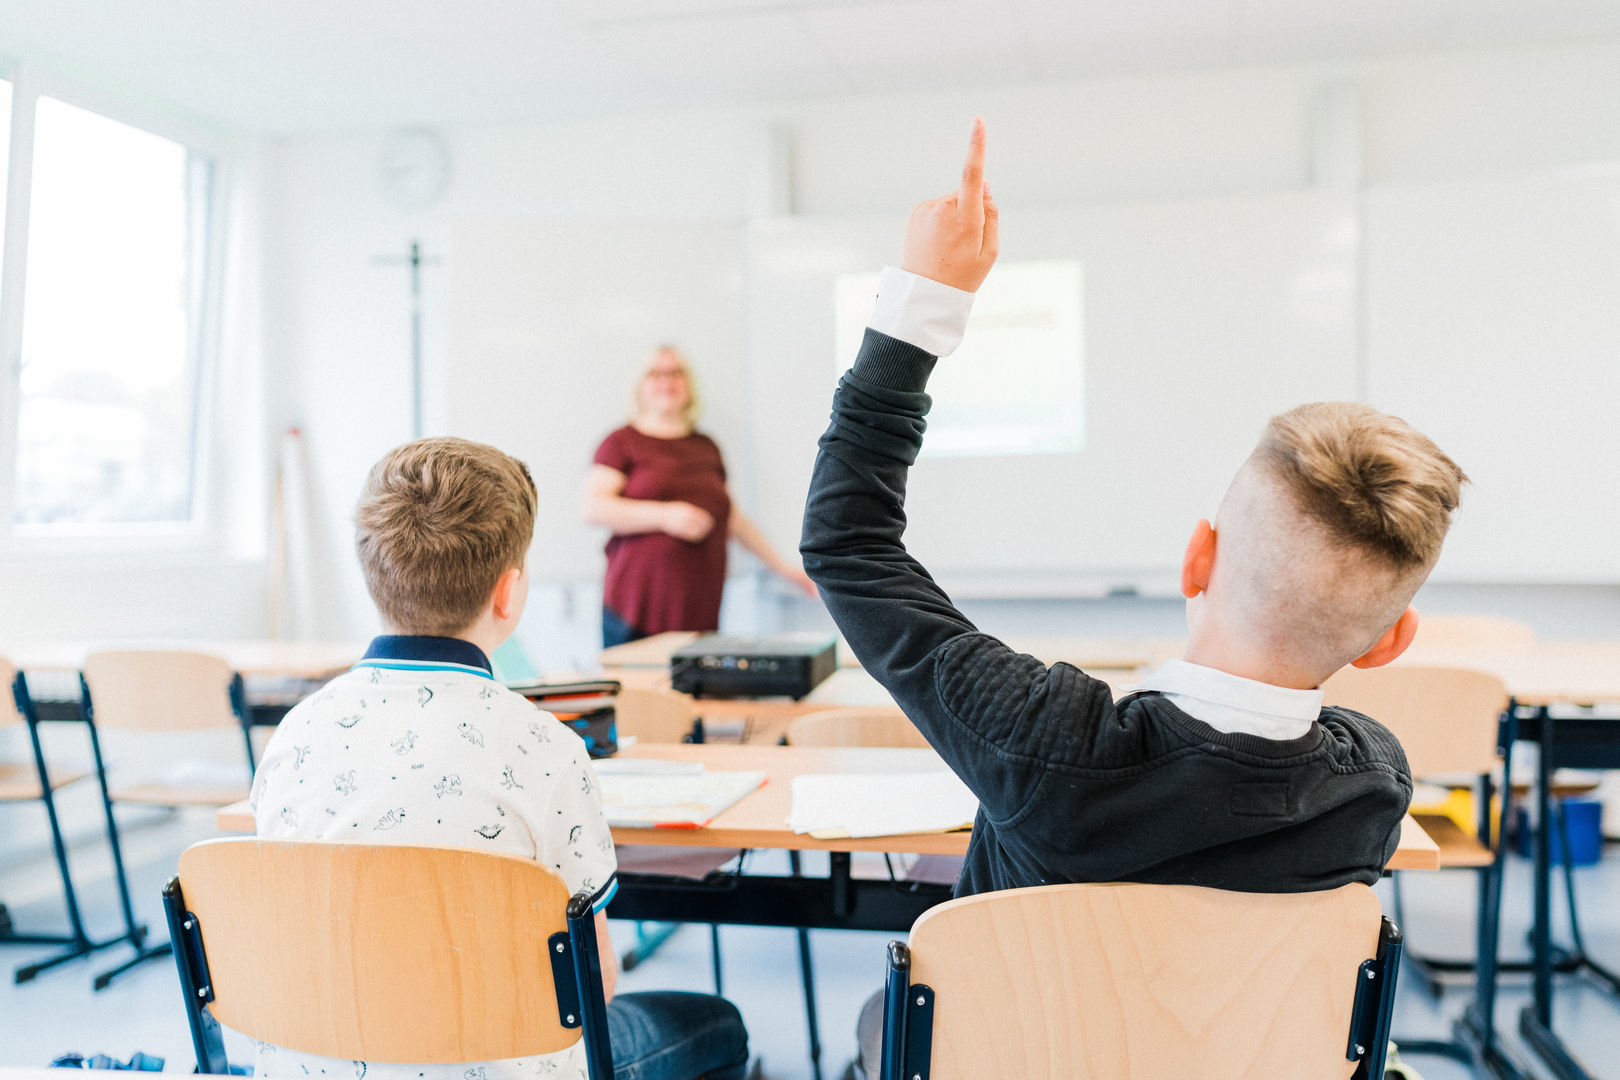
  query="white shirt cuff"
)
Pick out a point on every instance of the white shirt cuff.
point(921, 311)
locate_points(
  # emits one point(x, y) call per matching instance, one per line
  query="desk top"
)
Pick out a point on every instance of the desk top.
point(1541, 672)
point(271, 659)
point(760, 820)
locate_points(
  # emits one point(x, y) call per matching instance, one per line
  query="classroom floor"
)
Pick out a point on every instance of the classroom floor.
point(58, 1012)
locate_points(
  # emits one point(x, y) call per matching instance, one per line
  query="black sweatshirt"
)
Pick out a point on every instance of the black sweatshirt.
point(1073, 786)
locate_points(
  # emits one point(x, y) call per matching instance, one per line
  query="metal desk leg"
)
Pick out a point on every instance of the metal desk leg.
point(1476, 1028)
point(1535, 1022)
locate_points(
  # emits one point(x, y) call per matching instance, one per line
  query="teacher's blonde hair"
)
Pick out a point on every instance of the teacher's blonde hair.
point(690, 413)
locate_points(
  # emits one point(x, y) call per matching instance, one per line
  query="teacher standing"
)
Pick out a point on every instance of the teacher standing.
point(660, 485)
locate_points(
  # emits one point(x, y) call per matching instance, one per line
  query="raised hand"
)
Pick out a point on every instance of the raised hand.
point(954, 238)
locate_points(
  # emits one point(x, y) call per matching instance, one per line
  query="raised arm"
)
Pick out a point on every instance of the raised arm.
point(605, 504)
point(968, 692)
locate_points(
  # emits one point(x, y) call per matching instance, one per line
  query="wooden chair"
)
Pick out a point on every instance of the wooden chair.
point(861, 726)
point(146, 692)
point(864, 726)
point(654, 715)
point(384, 953)
point(1448, 721)
point(660, 715)
point(24, 783)
point(1140, 982)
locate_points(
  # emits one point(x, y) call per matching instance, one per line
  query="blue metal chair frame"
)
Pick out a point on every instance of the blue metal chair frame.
point(135, 933)
point(575, 970)
point(78, 942)
point(908, 1013)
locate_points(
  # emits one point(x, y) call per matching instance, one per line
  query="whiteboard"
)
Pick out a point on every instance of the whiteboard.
point(1493, 315)
point(1202, 319)
point(550, 325)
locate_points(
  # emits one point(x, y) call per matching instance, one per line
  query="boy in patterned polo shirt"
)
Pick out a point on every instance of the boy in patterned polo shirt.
point(418, 744)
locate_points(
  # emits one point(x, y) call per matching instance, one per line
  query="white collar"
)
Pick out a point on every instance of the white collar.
point(1233, 704)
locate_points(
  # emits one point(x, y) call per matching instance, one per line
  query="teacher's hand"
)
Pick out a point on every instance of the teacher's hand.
point(686, 522)
point(954, 238)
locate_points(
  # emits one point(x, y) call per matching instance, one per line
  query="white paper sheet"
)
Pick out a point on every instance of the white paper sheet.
point(880, 804)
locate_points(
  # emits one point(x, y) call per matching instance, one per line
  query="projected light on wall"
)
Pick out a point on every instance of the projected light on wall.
point(1016, 385)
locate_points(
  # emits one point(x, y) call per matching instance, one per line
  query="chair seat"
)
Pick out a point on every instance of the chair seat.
point(1458, 847)
point(20, 782)
point(175, 795)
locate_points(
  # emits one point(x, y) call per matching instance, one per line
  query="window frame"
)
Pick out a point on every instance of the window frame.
point(207, 148)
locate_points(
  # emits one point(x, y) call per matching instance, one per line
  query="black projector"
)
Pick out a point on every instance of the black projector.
point(780, 665)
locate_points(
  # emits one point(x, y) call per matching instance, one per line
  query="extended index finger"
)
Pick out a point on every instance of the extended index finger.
point(973, 169)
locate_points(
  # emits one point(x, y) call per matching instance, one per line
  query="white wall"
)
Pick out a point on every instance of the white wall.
point(338, 323)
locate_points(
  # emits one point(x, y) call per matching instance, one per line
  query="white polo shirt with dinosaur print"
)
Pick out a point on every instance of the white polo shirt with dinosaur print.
point(418, 744)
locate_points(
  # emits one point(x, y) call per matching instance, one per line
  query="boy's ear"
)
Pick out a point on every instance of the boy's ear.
point(1199, 560)
point(505, 595)
point(1392, 644)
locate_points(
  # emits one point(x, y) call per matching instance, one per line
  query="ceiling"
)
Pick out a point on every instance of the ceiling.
point(311, 66)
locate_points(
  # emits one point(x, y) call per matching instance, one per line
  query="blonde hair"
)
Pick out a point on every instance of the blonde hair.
point(1329, 529)
point(690, 413)
point(1371, 480)
point(438, 522)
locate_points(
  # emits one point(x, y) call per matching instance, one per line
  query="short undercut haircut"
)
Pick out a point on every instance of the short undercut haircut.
point(439, 521)
point(1370, 480)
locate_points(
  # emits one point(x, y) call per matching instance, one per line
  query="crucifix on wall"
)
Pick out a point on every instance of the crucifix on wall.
point(415, 260)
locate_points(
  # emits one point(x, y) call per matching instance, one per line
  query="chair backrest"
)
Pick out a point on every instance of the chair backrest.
point(865, 726)
point(1445, 718)
point(372, 952)
point(653, 714)
point(150, 690)
point(1472, 632)
point(1132, 982)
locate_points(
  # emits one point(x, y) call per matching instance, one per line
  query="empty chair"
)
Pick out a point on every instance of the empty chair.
point(147, 692)
point(862, 726)
point(384, 953)
point(654, 714)
point(26, 782)
point(1142, 982)
point(1447, 721)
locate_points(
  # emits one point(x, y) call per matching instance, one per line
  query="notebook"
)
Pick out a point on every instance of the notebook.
point(664, 795)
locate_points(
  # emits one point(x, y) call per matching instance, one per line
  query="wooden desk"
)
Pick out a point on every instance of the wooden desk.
point(250, 658)
point(760, 820)
point(838, 901)
point(1541, 672)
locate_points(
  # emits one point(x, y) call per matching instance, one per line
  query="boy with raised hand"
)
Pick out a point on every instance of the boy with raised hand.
point(1225, 770)
point(418, 744)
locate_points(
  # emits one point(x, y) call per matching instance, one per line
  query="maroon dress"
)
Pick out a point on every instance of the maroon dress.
point(656, 582)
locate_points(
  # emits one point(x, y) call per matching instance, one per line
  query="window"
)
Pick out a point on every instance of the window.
point(113, 270)
point(5, 141)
